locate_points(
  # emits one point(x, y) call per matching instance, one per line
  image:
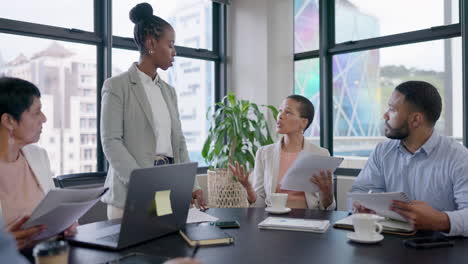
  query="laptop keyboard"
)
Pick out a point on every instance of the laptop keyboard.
point(110, 238)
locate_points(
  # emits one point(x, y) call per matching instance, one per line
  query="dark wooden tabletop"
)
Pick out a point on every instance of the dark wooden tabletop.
point(252, 245)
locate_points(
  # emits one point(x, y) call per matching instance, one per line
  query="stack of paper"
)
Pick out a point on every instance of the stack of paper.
point(197, 216)
point(295, 224)
point(60, 208)
point(381, 202)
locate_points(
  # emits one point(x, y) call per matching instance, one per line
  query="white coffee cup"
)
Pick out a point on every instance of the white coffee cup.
point(365, 225)
point(279, 200)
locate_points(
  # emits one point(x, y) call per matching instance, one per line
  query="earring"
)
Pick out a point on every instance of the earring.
point(150, 51)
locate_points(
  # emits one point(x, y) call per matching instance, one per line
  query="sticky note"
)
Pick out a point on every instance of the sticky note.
point(162, 200)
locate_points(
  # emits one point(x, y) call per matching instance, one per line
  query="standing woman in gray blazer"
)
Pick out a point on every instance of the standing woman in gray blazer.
point(140, 125)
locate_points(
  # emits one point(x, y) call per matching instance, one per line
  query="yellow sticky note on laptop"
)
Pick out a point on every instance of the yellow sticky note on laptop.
point(162, 200)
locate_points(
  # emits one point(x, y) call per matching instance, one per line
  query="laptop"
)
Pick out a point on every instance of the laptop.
point(157, 204)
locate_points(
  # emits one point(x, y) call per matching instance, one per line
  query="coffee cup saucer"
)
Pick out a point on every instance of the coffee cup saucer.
point(353, 236)
point(273, 210)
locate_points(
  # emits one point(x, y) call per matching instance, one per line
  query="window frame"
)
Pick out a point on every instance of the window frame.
point(329, 48)
point(104, 41)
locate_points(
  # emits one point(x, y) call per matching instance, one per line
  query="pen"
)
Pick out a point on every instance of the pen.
point(195, 250)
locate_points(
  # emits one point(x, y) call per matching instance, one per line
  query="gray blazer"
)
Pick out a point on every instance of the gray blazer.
point(265, 174)
point(127, 132)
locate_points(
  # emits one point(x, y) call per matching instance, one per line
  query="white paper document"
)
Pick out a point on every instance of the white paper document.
point(60, 208)
point(295, 224)
point(380, 202)
point(297, 177)
point(197, 216)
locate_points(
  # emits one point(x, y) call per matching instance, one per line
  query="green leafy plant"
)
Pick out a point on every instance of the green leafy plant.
point(238, 128)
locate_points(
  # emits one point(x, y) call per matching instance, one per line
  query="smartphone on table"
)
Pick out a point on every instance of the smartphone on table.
point(429, 242)
point(226, 224)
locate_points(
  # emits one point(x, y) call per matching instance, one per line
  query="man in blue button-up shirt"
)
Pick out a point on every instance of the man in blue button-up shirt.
point(430, 168)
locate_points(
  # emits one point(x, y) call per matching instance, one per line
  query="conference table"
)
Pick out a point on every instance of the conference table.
point(254, 245)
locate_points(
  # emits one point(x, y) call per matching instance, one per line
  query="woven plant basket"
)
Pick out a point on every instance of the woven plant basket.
point(224, 192)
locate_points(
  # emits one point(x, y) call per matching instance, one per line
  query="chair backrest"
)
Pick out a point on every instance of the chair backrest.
point(344, 180)
point(80, 179)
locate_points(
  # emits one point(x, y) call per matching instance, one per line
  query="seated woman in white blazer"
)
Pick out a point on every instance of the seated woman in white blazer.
point(25, 175)
point(296, 113)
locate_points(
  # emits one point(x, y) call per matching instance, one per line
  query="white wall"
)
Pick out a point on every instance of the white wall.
point(260, 50)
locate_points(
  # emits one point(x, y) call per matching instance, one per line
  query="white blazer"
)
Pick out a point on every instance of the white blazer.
point(265, 175)
point(39, 163)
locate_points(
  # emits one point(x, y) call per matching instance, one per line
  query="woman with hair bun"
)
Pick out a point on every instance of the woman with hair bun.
point(140, 124)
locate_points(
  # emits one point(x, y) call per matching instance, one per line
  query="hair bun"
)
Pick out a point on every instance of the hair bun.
point(141, 12)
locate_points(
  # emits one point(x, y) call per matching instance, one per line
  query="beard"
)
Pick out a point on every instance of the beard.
point(401, 132)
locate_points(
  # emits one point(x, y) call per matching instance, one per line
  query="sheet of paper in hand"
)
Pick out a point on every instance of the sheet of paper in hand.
point(297, 177)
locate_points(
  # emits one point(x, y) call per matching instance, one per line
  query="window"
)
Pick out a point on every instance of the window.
point(307, 83)
point(62, 13)
point(188, 18)
point(87, 154)
point(367, 66)
point(54, 67)
point(83, 139)
point(92, 123)
point(363, 82)
point(83, 123)
point(62, 54)
point(306, 25)
point(361, 19)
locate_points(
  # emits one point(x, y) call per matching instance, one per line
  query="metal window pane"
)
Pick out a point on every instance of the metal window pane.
point(60, 13)
point(307, 83)
point(192, 20)
point(306, 25)
point(65, 73)
point(362, 19)
point(363, 82)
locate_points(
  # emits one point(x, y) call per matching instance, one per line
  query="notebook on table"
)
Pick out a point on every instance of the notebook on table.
point(205, 235)
point(295, 224)
point(389, 226)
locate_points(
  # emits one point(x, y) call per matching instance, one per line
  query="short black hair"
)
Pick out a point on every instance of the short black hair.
point(424, 97)
point(146, 24)
point(306, 108)
point(16, 96)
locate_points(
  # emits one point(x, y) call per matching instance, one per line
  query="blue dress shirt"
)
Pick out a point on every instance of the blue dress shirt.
point(8, 251)
point(437, 174)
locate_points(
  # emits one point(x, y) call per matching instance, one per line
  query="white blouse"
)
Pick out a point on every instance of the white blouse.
point(161, 117)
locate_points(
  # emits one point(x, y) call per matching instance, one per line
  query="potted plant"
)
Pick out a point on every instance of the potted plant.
point(238, 128)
